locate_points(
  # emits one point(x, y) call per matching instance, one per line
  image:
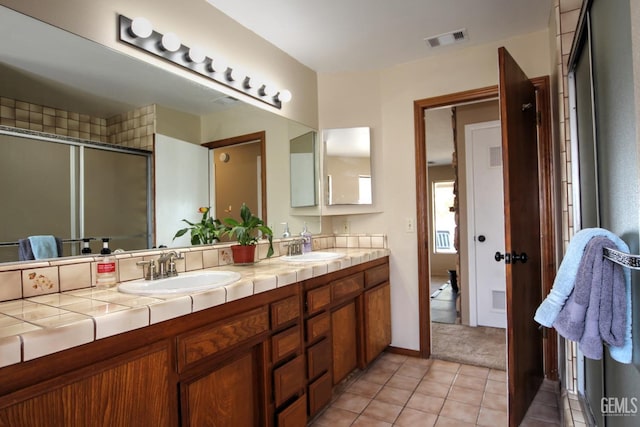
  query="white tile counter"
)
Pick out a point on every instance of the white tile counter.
point(37, 326)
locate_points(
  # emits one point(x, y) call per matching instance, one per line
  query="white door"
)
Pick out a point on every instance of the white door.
point(485, 214)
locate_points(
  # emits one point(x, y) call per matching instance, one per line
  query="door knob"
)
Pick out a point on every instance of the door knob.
point(506, 257)
point(481, 238)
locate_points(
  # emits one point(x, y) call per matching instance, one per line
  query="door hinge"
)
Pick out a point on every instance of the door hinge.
point(539, 117)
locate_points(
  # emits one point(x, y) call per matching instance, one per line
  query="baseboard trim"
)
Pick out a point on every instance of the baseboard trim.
point(403, 351)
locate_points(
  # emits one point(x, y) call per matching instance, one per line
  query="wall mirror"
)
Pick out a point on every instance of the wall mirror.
point(304, 170)
point(51, 67)
point(347, 165)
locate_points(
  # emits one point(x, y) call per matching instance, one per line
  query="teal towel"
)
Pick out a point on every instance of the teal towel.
point(43, 247)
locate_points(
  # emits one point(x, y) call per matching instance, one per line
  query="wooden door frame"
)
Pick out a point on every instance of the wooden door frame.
point(259, 137)
point(547, 217)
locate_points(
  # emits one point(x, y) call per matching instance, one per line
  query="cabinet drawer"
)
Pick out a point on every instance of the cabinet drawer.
point(319, 298)
point(285, 343)
point(285, 311)
point(288, 380)
point(376, 275)
point(209, 340)
point(318, 326)
point(318, 358)
point(320, 394)
point(348, 286)
point(295, 415)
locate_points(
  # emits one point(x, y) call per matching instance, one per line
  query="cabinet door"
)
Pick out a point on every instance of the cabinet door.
point(345, 347)
point(226, 397)
point(377, 321)
point(134, 390)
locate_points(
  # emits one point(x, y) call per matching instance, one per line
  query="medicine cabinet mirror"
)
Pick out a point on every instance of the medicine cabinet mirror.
point(304, 170)
point(347, 166)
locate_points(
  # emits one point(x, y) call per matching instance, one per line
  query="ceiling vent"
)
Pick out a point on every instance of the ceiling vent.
point(447, 38)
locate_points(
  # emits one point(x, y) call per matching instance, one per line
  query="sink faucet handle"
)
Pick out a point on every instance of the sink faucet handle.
point(148, 269)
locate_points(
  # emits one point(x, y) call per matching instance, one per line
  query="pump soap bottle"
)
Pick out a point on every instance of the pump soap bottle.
point(306, 239)
point(106, 267)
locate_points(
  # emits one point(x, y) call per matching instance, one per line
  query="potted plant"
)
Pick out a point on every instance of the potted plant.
point(246, 234)
point(207, 231)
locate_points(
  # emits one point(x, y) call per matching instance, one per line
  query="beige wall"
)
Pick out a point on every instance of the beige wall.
point(197, 23)
point(383, 100)
point(179, 125)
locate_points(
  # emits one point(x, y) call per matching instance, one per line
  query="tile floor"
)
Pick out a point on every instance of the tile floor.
point(398, 390)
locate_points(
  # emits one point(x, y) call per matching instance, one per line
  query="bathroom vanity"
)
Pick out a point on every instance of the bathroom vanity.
point(268, 359)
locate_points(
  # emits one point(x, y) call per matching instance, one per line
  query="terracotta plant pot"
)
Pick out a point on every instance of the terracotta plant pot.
point(243, 254)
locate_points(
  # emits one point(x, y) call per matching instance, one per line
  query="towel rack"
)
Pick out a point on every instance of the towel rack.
point(624, 259)
point(63, 241)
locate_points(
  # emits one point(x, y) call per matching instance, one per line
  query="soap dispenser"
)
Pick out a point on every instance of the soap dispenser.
point(286, 232)
point(306, 239)
point(106, 267)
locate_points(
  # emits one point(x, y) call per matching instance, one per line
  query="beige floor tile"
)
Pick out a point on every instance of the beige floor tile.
point(335, 417)
point(377, 376)
point(439, 376)
point(460, 411)
point(451, 422)
point(445, 365)
point(467, 381)
point(365, 388)
point(415, 371)
point(545, 397)
point(537, 423)
point(498, 375)
point(392, 357)
point(394, 395)
point(351, 402)
point(544, 413)
point(385, 365)
point(492, 418)
point(425, 403)
point(496, 387)
point(494, 401)
point(412, 418)
point(433, 388)
point(416, 361)
point(365, 421)
point(474, 371)
point(465, 395)
point(403, 382)
point(382, 411)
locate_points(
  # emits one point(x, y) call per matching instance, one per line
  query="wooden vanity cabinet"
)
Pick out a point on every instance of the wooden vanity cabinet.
point(347, 325)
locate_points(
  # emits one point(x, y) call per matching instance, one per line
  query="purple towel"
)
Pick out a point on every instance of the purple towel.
point(595, 311)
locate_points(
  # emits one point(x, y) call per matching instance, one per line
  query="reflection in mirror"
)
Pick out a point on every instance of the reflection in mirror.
point(67, 78)
point(72, 190)
point(347, 165)
point(303, 170)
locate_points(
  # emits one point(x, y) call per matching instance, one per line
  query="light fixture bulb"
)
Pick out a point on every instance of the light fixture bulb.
point(196, 54)
point(218, 66)
point(171, 42)
point(284, 96)
point(141, 27)
point(267, 90)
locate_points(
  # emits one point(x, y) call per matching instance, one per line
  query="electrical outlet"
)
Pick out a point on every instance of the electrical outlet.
point(345, 227)
point(410, 225)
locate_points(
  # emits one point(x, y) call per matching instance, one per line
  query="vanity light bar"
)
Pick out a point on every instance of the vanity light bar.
point(139, 32)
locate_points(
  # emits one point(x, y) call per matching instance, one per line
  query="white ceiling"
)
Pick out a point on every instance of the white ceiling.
point(359, 35)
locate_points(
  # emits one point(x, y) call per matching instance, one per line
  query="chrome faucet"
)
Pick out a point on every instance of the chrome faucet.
point(167, 264)
point(294, 247)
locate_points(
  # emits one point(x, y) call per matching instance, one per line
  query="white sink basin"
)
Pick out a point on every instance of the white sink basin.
point(184, 283)
point(315, 256)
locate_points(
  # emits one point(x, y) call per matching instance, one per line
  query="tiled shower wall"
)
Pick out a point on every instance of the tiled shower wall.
point(567, 14)
point(133, 129)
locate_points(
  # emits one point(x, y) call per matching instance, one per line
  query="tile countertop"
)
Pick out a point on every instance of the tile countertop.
point(37, 326)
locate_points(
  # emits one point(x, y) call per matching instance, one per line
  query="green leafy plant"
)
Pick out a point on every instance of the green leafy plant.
point(246, 231)
point(207, 231)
